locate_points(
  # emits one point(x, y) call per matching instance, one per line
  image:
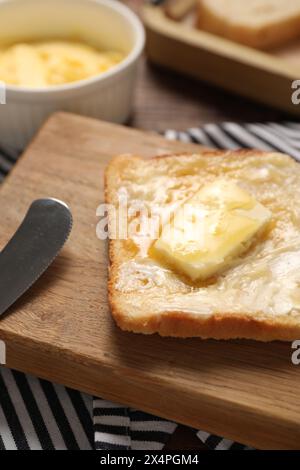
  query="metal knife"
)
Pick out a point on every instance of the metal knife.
point(43, 232)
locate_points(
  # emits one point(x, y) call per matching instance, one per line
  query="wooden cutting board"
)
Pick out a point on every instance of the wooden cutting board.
point(263, 76)
point(62, 329)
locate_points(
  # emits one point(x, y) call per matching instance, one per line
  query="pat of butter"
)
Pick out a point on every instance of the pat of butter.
point(212, 228)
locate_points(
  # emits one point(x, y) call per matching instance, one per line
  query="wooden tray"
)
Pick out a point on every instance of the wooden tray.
point(265, 77)
point(62, 329)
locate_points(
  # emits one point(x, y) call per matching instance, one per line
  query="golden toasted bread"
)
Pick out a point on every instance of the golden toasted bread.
point(257, 297)
point(260, 24)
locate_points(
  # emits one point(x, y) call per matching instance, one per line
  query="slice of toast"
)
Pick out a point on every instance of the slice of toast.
point(260, 24)
point(258, 297)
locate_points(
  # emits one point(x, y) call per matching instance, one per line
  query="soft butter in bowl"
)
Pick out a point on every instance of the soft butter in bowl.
point(45, 63)
point(65, 55)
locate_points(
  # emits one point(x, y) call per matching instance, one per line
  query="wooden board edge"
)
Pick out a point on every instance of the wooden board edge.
point(107, 378)
point(164, 144)
point(261, 77)
point(156, 20)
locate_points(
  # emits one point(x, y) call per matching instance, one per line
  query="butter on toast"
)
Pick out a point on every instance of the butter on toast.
point(258, 297)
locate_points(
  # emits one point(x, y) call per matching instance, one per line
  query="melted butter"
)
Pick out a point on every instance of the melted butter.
point(144, 275)
point(265, 280)
point(206, 234)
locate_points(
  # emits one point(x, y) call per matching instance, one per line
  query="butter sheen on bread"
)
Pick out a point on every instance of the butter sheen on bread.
point(258, 297)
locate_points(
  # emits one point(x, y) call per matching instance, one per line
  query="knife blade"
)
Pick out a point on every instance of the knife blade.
point(43, 232)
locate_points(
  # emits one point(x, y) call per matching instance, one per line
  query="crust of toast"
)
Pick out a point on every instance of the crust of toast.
point(183, 324)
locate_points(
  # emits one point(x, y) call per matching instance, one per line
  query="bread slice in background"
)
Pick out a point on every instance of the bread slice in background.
point(257, 298)
point(256, 23)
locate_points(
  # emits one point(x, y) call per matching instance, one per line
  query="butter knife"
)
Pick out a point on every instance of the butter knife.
point(43, 232)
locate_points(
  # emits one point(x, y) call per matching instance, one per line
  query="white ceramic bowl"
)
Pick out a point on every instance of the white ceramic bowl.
point(107, 24)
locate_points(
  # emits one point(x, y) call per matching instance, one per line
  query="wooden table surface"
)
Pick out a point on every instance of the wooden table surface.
point(166, 100)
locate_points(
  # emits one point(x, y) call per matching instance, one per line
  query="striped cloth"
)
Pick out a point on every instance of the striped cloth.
point(35, 414)
point(121, 428)
point(38, 415)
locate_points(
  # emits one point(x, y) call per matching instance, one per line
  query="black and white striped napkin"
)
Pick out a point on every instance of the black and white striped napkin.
point(35, 414)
